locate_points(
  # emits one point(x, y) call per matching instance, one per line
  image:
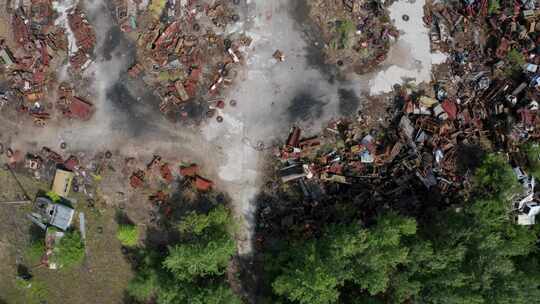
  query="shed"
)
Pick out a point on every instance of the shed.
point(62, 182)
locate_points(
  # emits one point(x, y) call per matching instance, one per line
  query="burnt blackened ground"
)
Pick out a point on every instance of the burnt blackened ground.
point(305, 106)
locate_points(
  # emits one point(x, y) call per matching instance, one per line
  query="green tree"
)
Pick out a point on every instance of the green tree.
point(477, 255)
point(191, 271)
point(495, 178)
point(482, 256)
point(315, 270)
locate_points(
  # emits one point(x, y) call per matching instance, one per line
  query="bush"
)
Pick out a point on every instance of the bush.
point(128, 235)
point(70, 250)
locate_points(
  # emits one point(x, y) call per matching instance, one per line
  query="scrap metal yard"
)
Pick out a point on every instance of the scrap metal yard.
point(294, 115)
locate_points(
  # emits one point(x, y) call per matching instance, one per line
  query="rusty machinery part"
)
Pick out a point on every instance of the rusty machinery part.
point(63, 145)
point(219, 119)
point(233, 102)
point(108, 154)
point(39, 122)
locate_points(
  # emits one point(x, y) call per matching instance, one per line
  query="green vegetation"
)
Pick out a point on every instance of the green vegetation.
point(54, 197)
point(34, 252)
point(344, 30)
point(34, 291)
point(313, 271)
point(70, 250)
point(515, 61)
point(495, 177)
point(128, 235)
point(533, 157)
point(494, 6)
point(193, 269)
point(477, 255)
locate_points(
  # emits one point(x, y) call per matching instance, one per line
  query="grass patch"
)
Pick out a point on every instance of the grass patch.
point(34, 252)
point(34, 291)
point(345, 29)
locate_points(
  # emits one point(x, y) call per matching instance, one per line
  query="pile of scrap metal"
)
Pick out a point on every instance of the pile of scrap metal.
point(158, 173)
point(85, 38)
point(38, 48)
point(187, 55)
point(431, 141)
point(357, 33)
point(72, 106)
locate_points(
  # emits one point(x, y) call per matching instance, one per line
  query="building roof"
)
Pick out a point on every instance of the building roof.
point(62, 182)
point(54, 214)
point(61, 216)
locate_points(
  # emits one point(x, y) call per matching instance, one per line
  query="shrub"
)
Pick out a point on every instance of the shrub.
point(128, 235)
point(70, 250)
point(54, 197)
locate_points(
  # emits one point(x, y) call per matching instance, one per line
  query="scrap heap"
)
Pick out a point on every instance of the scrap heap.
point(484, 99)
point(31, 58)
point(425, 153)
point(357, 33)
point(186, 54)
point(85, 38)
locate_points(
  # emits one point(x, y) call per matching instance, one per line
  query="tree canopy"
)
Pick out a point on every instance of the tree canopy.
point(475, 255)
point(191, 271)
